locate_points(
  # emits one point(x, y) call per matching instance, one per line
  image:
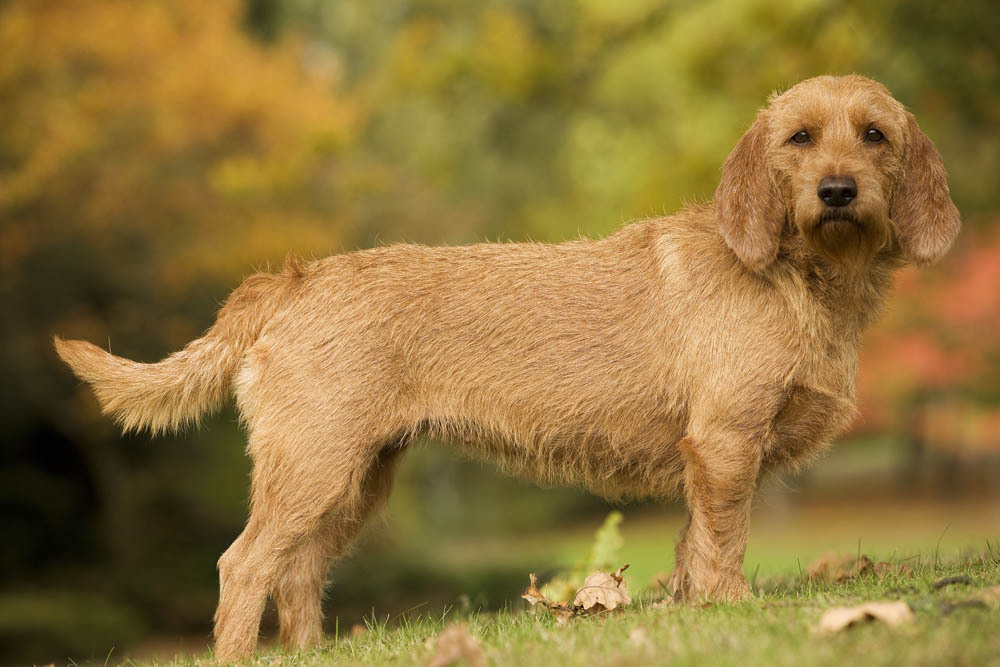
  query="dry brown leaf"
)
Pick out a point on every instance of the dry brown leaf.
point(455, 644)
point(831, 567)
point(531, 593)
point(840, 618)
point(534, 596)
point(602, 591)
point(357, 630)
point(822, 566)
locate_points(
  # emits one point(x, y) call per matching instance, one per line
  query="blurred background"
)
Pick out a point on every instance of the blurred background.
point(154, 152)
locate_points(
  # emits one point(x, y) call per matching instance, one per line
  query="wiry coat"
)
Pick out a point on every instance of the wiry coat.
point(683, 355)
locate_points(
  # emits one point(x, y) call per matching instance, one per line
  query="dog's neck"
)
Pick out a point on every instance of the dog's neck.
point(851, 292)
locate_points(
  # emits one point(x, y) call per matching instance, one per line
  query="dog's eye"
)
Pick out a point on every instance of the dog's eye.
point(874, 136)
point(801, 137)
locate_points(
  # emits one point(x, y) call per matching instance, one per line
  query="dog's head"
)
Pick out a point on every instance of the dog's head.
point(848, 166)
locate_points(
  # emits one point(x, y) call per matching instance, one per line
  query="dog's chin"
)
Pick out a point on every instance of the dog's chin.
point(844, 236)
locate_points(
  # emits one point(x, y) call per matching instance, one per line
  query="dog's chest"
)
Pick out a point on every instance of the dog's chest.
point(817, 406)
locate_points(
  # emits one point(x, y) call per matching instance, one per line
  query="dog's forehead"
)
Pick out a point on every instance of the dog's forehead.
point(817, 100)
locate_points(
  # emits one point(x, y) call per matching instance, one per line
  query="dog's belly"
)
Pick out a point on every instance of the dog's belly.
point(614, 457)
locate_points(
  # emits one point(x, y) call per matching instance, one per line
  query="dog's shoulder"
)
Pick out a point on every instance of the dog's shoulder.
point(693, 259)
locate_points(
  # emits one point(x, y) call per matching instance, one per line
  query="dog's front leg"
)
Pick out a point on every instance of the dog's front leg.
point(720, 477)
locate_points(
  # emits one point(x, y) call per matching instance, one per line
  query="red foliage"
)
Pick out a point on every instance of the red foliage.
point(940, 337)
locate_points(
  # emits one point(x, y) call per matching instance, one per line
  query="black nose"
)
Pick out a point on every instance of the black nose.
point(837, 190)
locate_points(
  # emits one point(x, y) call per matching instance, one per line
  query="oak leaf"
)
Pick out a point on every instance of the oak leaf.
point(602, 591)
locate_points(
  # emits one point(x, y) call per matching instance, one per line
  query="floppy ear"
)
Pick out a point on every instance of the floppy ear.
point(748, 205)
point(925, 218)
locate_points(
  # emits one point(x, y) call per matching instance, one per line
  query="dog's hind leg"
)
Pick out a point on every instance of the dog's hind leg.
point(301, 581)
point(246, 571)
point(302, 578)
point(303, 492)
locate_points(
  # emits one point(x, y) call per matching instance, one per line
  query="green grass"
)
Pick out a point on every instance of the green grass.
point(775, 628)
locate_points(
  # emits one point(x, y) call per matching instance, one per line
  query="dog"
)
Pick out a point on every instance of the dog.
point(683, 356)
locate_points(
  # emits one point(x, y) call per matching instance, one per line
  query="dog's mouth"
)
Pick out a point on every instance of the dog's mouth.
point(845, 234)
point(836, 216)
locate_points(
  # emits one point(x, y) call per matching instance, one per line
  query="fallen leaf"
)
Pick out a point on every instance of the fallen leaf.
point(602, 591)
point(840, 618)
point(818, 568)
point(831, 567)
point(357, 630)
point(860, 566)
point(562, 611)
point(531, 593)
point(455, 644)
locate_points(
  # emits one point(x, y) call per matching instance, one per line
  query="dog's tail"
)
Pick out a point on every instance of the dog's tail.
point(166, 395)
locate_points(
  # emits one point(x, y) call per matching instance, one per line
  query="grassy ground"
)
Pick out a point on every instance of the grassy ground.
point(954, 625)
point(413, 576)
point(417, 565)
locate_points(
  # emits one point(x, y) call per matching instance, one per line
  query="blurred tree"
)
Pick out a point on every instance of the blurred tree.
point(945, 62)
point(263, 18)
point(555, 118)
point(150, 155)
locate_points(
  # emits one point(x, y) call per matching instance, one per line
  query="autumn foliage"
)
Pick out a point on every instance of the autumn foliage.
point(159, 120)
point(931, 368)
point(151, 154)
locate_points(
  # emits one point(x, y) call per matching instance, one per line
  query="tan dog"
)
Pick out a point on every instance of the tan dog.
point(679, 356)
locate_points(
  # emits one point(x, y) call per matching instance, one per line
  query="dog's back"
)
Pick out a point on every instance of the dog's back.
point(548, 358)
